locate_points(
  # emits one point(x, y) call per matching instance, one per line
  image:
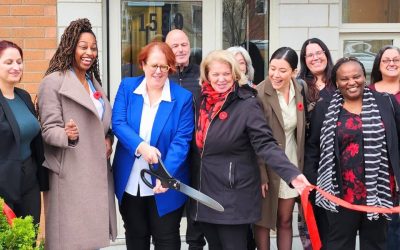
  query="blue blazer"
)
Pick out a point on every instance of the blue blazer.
point(171, 134)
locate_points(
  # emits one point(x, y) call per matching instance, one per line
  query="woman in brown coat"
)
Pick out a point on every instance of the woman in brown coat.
point(75, 116)
point(284, 110)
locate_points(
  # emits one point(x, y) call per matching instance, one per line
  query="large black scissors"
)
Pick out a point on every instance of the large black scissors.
point(167, 181)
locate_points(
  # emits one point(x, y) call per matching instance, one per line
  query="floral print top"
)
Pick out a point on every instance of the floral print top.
point(349, 131)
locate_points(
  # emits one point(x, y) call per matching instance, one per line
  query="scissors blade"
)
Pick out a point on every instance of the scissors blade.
point(199, 196)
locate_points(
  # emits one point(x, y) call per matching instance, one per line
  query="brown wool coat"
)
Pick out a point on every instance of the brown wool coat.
point(273, 113)
point(79, 207)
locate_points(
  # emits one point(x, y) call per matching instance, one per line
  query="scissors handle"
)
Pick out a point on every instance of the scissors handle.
point(165, 182)
point(146, 171)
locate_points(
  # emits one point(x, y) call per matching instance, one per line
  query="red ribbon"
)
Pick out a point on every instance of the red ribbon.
point(10, 215)
point(309, 213)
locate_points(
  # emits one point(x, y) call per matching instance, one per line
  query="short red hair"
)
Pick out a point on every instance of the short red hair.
point(169, 54)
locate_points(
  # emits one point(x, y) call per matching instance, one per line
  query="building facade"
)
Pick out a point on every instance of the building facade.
point(348, 27)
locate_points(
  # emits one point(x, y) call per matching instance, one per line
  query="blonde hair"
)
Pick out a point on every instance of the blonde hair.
point(222, 56)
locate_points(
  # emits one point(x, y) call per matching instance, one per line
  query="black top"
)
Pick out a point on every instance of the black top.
point(350, 138)
point(188, 77)
point(391, 119)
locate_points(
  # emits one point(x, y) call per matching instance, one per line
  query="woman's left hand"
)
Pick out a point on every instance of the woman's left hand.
point(300, 182)
point(109, 149)
point(158, 189)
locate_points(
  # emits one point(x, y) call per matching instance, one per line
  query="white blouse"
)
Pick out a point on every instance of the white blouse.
point(149, 112)
point(98, 104)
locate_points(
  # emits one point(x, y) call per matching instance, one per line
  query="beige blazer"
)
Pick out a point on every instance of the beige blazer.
point(79, 207)
point(273, 113)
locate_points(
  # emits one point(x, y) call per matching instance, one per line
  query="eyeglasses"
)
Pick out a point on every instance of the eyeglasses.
point(394, 60)
point(316, 54)
point(163, 68)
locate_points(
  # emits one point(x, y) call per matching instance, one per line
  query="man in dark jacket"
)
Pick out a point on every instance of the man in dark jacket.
point(187, 76)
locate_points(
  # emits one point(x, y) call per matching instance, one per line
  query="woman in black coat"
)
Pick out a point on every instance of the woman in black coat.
point(21, 150)
point(231, 132)
point(353, 153)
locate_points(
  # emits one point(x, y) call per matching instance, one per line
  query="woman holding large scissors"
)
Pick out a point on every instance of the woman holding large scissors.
point(151, 117)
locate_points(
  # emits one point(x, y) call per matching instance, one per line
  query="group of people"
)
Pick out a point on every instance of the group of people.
point(252, 148)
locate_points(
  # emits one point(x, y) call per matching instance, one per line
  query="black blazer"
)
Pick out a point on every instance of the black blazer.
point(389, 110)
point(10, 163)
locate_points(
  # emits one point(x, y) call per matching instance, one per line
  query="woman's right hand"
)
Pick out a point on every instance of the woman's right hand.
point(264, 189)
point(71, 130)
point(149, 153)
point(300, 182)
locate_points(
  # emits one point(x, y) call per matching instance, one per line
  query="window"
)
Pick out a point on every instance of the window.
point(367, 26)
point(371, 11)
point(146, 21)
point(246, 23)
point(260, 7)
point(364, 50)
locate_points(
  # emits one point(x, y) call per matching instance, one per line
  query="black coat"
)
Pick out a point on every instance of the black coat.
point(10, 162)
point(229, 172)
point(389, 110)
point(188, 77)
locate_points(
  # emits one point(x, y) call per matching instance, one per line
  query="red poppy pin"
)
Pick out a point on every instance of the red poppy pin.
point(97, 95)
point(223, 115)
point(300, 106)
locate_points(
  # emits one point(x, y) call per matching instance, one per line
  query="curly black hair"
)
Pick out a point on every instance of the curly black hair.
point(64, 56)
point(342, 61)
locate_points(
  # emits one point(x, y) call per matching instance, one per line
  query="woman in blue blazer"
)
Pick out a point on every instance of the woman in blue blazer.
point(151, 116)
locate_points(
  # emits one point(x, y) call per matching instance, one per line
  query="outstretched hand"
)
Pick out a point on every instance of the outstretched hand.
point(300, 182)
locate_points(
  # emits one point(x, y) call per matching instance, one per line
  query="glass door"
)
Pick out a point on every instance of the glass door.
point(246, 23)
point(146, 21)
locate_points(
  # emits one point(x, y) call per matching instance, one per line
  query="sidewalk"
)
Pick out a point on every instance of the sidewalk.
point(120, 243)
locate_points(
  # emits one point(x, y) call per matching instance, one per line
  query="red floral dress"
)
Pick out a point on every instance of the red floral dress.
point(349, 131)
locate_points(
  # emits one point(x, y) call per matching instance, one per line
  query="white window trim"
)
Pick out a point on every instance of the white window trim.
point(366, 31)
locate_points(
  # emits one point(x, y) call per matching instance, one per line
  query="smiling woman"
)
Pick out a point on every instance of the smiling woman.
point(75, 116)
point(152, 117)
point(351, 136)
point(283, 105)
point(21, 149)
point(228, 108)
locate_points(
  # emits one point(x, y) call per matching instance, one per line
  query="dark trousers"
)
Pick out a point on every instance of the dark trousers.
point(29, 204)
point(141, 220)
point(393, 239)
point(225, 237)
point(343, 227)
point(194, 234)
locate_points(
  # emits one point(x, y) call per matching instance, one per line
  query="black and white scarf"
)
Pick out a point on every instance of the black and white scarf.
point(375, 155)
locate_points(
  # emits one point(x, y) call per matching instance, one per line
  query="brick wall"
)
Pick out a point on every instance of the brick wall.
point(32, 24)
